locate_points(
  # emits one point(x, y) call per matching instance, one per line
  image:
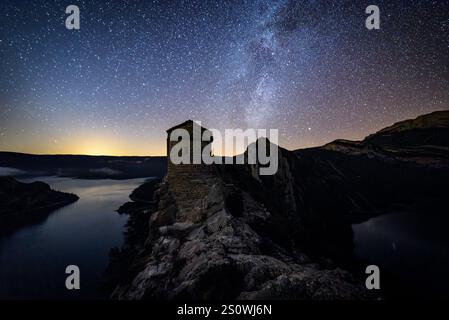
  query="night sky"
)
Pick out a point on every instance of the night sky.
point(135, 68)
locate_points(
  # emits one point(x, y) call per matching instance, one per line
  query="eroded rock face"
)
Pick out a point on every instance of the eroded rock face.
point(245, 236)
point(228, 254)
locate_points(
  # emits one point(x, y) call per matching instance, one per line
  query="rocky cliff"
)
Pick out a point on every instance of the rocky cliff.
point(235, 250)
point(285, 236)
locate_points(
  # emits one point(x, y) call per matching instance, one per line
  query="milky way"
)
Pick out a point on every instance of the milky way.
point(308, 68)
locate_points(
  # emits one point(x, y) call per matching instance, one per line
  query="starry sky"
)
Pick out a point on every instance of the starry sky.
point(135, 68)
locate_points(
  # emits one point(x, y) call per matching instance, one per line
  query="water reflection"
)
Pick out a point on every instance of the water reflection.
point(412, 248)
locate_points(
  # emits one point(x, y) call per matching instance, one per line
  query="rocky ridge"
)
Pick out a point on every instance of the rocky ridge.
point(285, 236)
point(224, 256)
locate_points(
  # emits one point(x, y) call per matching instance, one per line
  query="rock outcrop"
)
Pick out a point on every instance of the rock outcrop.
point(285, 236)
point(23, 203)
point(228, 254)
point(242, 242)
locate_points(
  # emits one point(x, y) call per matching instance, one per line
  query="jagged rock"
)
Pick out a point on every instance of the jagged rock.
point(308, 284)
point(223, 257)
point(178, 229)
point(240, 235)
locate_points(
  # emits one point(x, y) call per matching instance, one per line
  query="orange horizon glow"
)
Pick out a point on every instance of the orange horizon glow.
point(104, 143)
point(116, 146)
point(103, 149)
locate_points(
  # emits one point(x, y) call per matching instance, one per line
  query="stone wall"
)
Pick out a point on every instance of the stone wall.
point(190, 184)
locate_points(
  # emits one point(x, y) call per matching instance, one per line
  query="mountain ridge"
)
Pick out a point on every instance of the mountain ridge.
point(420, 141)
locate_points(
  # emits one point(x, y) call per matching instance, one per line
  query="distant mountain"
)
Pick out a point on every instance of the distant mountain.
point(424, 140)
point(434, 121)
point(86, 167)
point(23, 203)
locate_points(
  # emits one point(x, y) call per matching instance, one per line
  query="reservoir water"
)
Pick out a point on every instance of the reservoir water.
point(33, 258)
point(411, 250)
point(414, 248)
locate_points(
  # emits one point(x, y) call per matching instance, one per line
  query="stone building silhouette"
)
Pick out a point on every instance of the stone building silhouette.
point(189, 182)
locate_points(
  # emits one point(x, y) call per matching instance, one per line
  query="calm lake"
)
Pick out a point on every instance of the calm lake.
point(33, 259)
